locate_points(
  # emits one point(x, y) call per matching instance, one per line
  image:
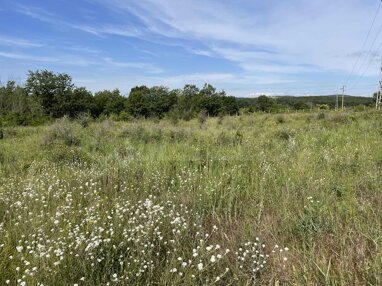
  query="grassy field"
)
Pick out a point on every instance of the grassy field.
point(287, 199)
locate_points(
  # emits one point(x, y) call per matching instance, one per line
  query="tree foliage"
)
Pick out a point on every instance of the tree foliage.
point(265, 103)
point(108, 102)
point(49, 89)
point(138, 103)
point(49, 95)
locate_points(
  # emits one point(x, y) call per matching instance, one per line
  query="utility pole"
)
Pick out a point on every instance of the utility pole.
point(378, 101)
point(343, 95)
point(336, 101)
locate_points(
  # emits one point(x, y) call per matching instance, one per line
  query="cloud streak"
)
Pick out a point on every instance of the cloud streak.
point(310, 33)
point(46, 16)
point(73, 60)
point(32, 58)
point(293, 46)
point(134, 65)
point(11, 41)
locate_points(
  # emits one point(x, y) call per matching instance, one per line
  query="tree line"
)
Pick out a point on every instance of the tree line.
point(283, 103)
point(46, 95)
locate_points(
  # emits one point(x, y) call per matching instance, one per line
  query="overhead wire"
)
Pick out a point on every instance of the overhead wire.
point(371, 60)
point(370, 56)
point(363, 47)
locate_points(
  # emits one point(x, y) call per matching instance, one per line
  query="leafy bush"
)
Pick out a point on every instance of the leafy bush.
point(220, 119)
point(322, 115)
point(285, 134)
point(63, 131)
point(84, 119)
point(202, 118)
point(313, 221)
point(280, 118)
point(178, 135)
point(64, 154)
point(173, 116)
point(339, 191)
point(341, 118)
point(223, 139)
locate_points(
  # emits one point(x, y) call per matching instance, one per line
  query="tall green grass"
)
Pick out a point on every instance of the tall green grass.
point(98, 194)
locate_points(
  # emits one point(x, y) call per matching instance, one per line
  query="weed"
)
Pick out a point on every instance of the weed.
point(280, 119)
point(84, 119)
point(146, 203)
point(285, 134)
point(202, 118)
point(62, 131)
point(322, 115)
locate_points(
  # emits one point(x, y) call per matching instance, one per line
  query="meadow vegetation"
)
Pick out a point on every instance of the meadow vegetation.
point(259, 199)
point(47, 96)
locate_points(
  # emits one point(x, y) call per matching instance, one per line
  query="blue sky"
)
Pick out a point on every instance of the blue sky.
point(246, 47)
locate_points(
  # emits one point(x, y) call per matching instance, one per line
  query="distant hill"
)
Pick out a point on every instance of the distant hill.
point(330, 100)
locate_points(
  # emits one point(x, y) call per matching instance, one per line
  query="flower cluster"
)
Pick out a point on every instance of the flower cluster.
point(68, 225)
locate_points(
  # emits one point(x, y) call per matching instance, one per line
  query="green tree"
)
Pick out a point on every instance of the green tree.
point(17, 108)
point(187, 105)
point(265, 103)
point(74, 102)
point(212, 105)
point(230, 105)
point(161, 100)
point(13, 98)
point(108, 102)
point(49, 89)
point(208, 90)
point(299, 105)
point(138, 102)
point(189, 91)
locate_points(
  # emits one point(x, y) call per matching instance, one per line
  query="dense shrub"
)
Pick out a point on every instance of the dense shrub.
point(63, 131)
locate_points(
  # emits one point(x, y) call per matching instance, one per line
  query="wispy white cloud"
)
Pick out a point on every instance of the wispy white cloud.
point(12, 41)
point(319, 34)
point(296, 44)
point(33, 58)
point(99, 29)
point(75, 60)
point(37, 13)
point(63, 59)
point(84, 49)
point(202, 52)
point(262, 61)
point(223, 78)
point(150, 68)
point(127, 31)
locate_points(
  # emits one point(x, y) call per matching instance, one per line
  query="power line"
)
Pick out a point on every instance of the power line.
point(370, 51)
point(368, 65)
point(364, 43)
